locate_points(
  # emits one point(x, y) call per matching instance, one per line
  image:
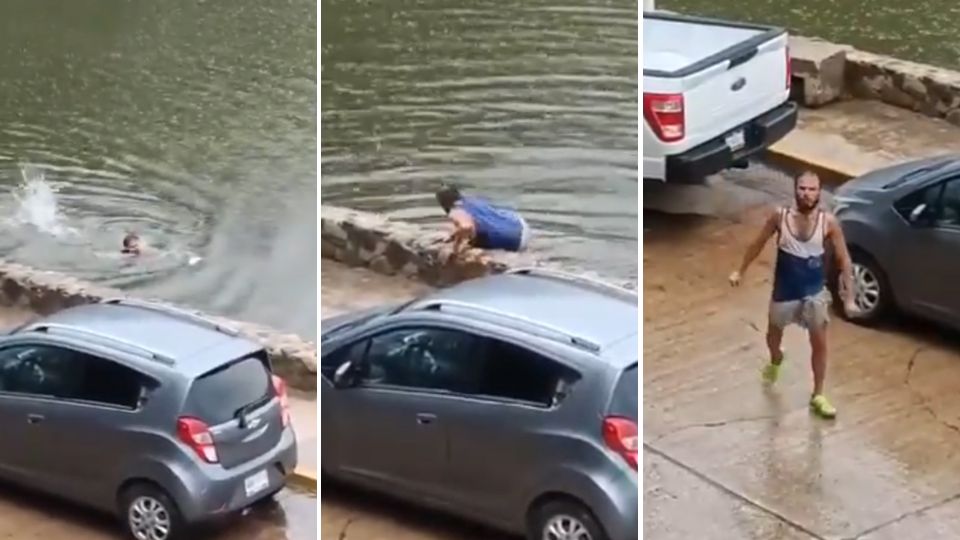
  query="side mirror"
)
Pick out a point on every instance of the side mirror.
point(345, 376)
point(918, 213)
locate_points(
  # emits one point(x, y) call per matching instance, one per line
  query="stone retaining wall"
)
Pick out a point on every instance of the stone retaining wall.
point(824, 72)
point(41, 292)
point(417, 251)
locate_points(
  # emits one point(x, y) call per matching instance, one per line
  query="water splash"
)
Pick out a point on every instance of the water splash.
point(37, 204)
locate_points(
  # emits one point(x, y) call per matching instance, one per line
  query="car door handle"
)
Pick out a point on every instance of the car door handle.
point(426, 418)
point(34, 418)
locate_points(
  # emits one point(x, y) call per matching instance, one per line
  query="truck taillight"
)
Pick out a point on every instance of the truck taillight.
point(664, 114)
point(620, 435)
point(280, 386)
point(789, 68)
point(196, 434)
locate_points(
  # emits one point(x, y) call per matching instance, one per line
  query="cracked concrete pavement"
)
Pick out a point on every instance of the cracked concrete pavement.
point(726, 457)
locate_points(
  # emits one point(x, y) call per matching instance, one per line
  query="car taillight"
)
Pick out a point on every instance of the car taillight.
point(280, 386)
point(620, 435)
point(196, 434)
point(664, 114)
point(789, 68)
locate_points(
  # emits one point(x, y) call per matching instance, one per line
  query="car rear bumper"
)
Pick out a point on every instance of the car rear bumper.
point(211, 491)
point(715, 155)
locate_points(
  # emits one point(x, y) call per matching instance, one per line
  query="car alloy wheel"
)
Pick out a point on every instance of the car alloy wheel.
point(564, 527)
point(149, 519)
point(867, 288)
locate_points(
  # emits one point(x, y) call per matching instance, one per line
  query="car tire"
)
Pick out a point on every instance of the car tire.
point(563, 516)
point(156, 510)
point(874, 295)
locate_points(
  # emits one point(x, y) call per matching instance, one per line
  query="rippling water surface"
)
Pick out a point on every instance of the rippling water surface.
point(532, 103)
point(191, 122)
point(919, 30)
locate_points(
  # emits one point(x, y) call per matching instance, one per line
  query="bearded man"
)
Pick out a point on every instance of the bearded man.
point(799, 281)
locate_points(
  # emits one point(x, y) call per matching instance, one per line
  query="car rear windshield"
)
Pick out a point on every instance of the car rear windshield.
point(216, 397)
point(626, 394)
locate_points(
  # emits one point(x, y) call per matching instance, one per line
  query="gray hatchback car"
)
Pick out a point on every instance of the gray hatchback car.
point(511, 400)
point(154, 413)
point(902, 225)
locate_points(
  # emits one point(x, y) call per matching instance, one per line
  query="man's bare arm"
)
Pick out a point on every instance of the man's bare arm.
point(463, 228)
point(756, 247)
point(842, 254)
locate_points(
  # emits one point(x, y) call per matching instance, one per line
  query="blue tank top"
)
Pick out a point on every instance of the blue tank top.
point(799, 271)
point(497, 228)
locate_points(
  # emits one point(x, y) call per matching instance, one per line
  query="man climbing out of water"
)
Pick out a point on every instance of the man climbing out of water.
point(478, 223)
point(131, 244)
point(799, 281)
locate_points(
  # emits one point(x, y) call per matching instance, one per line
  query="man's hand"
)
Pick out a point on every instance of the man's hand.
point(734, 278)
point(851, 308)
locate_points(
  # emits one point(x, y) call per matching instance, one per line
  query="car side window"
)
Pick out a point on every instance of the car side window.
point(56, 372)
point(949, 215)
point(349, 353)
point(519, 374)
point(421, 358)
point(929, 196)
point(38, 370)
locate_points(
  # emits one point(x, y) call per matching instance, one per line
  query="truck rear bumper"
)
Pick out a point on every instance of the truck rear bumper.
point(713, 156)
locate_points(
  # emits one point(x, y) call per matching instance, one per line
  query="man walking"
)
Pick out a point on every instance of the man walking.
point(799, 282)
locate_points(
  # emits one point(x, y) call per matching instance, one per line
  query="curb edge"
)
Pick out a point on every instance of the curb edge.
point(303, 479)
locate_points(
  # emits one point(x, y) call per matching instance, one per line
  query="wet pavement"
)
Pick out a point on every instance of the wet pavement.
point(855, 137)
point(25, 516)
point(726, 458)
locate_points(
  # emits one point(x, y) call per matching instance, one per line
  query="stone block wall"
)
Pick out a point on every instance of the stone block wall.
point(923, 88)
point(401, 248)
point(824, 72)
point(22, 287)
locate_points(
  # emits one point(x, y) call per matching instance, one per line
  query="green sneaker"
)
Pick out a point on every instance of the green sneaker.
point(771, 372)
point(822, 407)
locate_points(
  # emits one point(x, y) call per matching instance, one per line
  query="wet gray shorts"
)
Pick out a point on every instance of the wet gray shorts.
point(811, 312)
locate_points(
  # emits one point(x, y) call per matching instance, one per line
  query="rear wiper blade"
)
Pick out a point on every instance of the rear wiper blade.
point(241, 413)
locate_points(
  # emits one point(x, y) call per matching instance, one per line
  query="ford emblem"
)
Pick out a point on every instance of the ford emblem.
point(738, 84)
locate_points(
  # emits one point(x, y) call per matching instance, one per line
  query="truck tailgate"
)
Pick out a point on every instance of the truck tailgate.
point(734, 73)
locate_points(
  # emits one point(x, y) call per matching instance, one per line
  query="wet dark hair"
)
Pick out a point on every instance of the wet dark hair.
point(447, 196)
point(129, 240)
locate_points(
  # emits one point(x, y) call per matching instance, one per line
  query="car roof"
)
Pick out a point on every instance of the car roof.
point(580, 309)
point(184, 343)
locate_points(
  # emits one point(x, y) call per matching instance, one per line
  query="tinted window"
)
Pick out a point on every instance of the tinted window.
point(218, 396)
point(626, 394)
point(429, 358)
point(62, 373)
point(929, 196)
point(950, 205)
point(516, 373)
point(352, 353)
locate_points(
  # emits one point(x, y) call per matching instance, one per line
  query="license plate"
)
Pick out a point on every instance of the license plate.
point(735, 140)
point(256, 483)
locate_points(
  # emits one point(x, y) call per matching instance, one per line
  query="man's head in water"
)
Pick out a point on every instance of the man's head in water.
point(806, 192)
point(448, 196)
point(131, 244)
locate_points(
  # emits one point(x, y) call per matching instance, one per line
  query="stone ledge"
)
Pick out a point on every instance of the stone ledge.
point(416, 251)
point(922, 88)
point(827, 72)
point(42, 292)
point(818, 66)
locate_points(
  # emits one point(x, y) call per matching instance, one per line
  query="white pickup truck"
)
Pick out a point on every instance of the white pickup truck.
point(714, 93)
